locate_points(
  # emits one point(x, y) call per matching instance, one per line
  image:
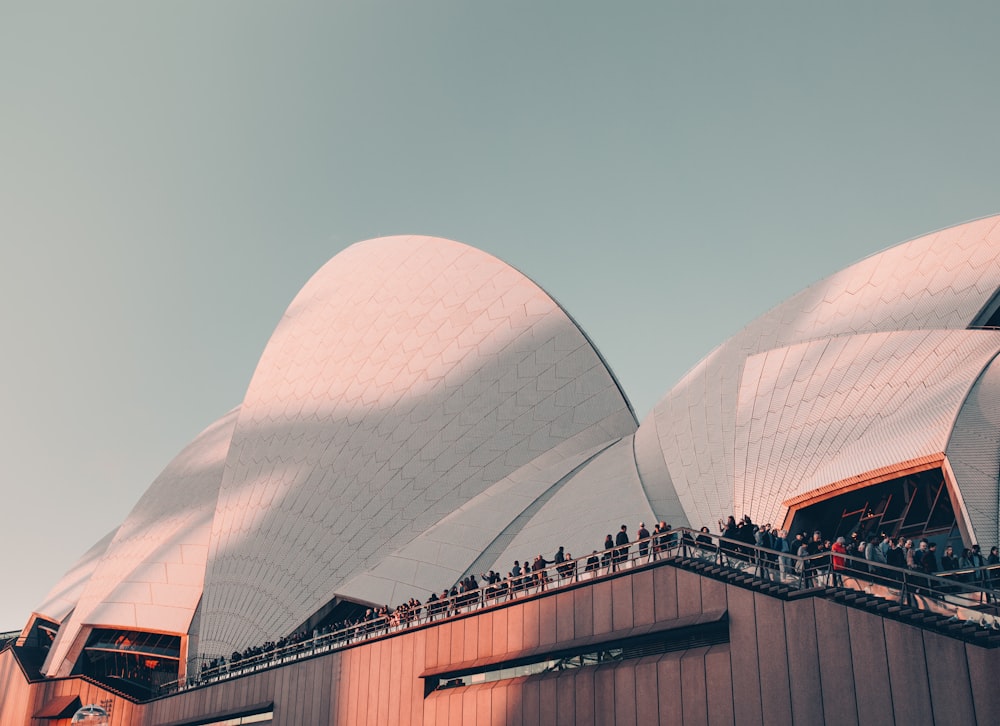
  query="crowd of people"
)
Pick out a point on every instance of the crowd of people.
point(535, 574)
point(775, 553)
point(870, 557)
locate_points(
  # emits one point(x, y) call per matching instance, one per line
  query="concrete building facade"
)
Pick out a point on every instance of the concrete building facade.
point(695, 650)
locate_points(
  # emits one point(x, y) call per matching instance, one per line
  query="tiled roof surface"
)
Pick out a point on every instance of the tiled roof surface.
point(867, 365)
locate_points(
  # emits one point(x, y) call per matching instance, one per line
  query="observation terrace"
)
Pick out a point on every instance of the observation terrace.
point(700, 631)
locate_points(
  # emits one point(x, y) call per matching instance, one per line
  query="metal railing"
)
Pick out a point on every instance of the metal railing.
point(958, 593)
point(555, 575)
point(9, 637)
point(966, 594)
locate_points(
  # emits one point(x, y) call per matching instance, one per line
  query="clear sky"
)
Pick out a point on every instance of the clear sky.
point(172, 173)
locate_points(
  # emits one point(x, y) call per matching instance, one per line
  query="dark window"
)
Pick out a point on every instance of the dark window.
point(135, 662)
point(912, 506)
point(667, 641)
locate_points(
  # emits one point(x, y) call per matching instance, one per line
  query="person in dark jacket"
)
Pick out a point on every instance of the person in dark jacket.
point(608, 556)
point(729, 530)
point(745, 531)
point(948, 560)
point(929, 562)
point(621, 543)
point(896, 557)
point(642, 537)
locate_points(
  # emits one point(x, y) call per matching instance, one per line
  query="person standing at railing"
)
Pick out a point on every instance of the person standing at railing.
point(896, 557)
point(667, 538)
point(608, 556)
point(948, 559)
point(558, 558)
point(568, 569)
point(642, 537)
point(515, 578)
point(910, 552)
point(782, 545)
point(473, 592)
point(655, 545)
point(977, 557)
point(885, 544)
point(622, 546)
point(874, 556)
point(873, 553)
point(763, 540)
point(491, 582)
point(802, 566)
point(990, 576)
point(704, 539)
point(980, 576)
point(813, 568)
point(745, 533)
point(538, 571)
point(838, 549)
point(729, 531)
point(965, 562)
point(432, 605)
point(919, 552)
point(929, 561)
point(728, 528)
point(563, 563)
point(855, 548)
point(746, 529)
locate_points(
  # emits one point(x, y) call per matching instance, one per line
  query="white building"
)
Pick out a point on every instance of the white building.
point(423, 412)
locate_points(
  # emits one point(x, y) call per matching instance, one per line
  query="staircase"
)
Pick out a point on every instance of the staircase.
point(965, 630)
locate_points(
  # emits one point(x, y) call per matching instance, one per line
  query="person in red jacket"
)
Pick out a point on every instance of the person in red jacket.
point(838, 549)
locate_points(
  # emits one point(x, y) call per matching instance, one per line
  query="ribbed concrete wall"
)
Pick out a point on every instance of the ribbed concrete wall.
point(19, 700)
point(806, 661)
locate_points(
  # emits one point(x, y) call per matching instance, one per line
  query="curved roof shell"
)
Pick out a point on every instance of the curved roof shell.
point(867, 367)
point(150, 576)
point(63, 597)
point(974, 454)
point(407, 377)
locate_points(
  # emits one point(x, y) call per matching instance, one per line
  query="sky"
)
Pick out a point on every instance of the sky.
point(171, 174)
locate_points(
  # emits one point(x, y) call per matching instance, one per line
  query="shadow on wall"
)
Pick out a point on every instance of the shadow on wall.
point(306, 503)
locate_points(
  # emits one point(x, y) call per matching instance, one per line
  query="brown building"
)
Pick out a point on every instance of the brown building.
point(673, 642)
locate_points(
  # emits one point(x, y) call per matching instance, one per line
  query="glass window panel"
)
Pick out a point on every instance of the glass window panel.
point(894, 508)
point(943, 514)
